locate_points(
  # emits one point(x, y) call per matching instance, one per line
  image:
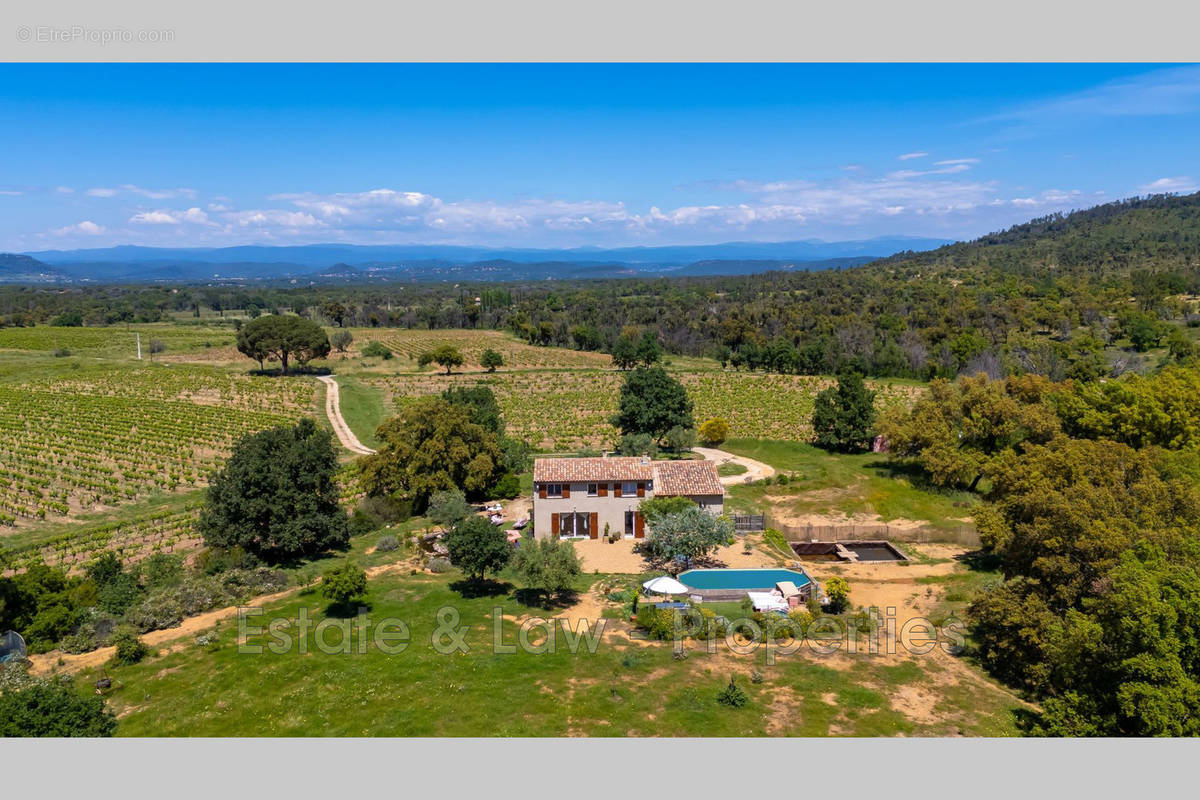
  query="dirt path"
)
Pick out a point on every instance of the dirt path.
point(754, 469)
point(334, 412)
point(191, 626)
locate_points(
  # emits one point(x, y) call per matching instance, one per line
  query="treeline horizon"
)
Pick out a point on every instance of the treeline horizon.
point(1053, 296)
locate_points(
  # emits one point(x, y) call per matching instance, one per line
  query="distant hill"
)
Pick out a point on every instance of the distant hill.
point(325, 255)
point(16, 267)
point(324, 263)
point(1155, 232)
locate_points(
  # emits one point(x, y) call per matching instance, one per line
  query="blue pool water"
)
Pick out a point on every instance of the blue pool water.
point(741, 578)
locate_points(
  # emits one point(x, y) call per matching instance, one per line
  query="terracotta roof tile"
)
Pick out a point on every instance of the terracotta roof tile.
point(670, 477)
point(583, 470)
point(686, 478)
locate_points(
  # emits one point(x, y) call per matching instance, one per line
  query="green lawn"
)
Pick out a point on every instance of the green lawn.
point(828, 483)
point(621, 689)
point(362, 407)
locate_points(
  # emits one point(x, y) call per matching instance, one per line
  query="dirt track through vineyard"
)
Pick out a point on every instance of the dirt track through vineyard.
point(333, 410)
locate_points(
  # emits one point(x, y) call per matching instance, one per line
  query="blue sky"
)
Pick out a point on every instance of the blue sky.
point(575, 155)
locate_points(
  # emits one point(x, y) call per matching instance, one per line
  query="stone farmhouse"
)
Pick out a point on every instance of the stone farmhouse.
point(576, 498)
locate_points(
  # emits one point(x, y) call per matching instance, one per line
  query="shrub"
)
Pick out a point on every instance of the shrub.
point(680, 439)
point(801, 618)
point(130, 649)
point(714, 431)
point(637, 444)
point(838, 592)
point(343, 584)
point(158, 611)
point(222, 559)
point(658, 623)
point(382, 511)
point(437, 564)
point(387, 544)
point(447, 508)
point(199, 593)
point(508, 487)
point(242, 583)
point(732, 695)
point(53, 709)
point(161, 569)
point(374, 349)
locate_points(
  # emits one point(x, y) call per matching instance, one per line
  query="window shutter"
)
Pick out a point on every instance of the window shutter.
point(541, 491)
point(641, 489)
point(566, 490)
point(594, 526)
point(639, 526)
point(603, 491)
point(617, 489)
point(554, 524)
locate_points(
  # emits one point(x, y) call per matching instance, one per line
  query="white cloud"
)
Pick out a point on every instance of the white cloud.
point(131, 189)
point(916, 173)
point(909, 156)
point(1155, 93)
point(954, 161)
point(936, 201)
point(87, 227)
point(1180, 184)
point(154, 218)
point(1051, 198)
point(159, 217)
point(273, 218)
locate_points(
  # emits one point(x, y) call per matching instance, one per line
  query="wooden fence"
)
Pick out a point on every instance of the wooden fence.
point(744, 523)
point(965, 535)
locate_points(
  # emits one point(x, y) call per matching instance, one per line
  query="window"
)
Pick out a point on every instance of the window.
point(573, 525)
point(630, 520)
point(629, 489)
point(554, 490)
point(593, 489)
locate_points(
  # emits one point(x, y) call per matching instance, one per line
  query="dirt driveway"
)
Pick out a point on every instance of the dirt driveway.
point(755, 470)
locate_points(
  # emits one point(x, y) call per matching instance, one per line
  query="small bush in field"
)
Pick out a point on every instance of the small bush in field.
point(130, 649)
point(732, 695)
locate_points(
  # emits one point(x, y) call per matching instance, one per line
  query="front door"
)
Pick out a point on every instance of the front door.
point(629, 524)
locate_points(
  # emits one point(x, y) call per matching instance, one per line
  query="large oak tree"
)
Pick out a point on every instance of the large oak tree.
point(432, 445)
point(277, 496)
point(652, 403)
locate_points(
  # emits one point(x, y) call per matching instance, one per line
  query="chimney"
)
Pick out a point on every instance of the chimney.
point(645, 458)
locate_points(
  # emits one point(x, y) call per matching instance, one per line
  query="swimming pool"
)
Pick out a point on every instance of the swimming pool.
point(741, 579)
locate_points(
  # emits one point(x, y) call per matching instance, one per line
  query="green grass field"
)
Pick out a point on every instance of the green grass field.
point(834, 483)
point(362, 407)
point(623, 689)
